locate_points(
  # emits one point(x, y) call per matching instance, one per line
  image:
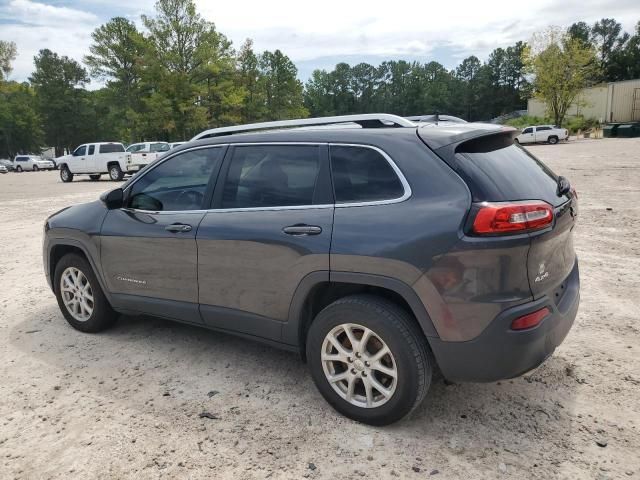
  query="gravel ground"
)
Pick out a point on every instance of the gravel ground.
point(127, 402)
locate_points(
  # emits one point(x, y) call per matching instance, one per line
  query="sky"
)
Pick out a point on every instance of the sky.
point(318, 34)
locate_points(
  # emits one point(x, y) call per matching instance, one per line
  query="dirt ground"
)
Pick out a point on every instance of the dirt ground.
point(126, 403)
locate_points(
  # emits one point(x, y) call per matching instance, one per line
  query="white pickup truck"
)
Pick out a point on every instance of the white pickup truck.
point(142, 154)
point(542, 133)
point(94, 159)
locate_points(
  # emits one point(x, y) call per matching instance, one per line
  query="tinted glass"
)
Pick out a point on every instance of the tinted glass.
point(541, 129)
point(111, 148)
point(528, 130)
point(497, 170)
point(271, 176)
point(362, 175)
point(177, 184)
point(80, 151)
point(134, 147)
point(92, 148)
point(159, 147)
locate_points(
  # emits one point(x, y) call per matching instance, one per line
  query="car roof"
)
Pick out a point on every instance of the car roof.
point(434, 135)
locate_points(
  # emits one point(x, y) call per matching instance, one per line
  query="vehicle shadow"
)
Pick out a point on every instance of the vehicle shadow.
point(142, 360)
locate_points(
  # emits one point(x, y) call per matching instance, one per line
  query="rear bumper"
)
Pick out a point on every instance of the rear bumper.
point(499, 352)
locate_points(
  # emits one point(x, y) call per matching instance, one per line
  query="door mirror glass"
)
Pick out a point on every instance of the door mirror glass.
point(113, 199)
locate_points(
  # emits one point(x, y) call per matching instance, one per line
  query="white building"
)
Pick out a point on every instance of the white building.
point(608, 103)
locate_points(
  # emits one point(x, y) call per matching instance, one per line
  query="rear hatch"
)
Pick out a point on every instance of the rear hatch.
point(501, 173)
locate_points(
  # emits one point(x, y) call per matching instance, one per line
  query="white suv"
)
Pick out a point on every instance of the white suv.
point(33, 163)
point(542, 133)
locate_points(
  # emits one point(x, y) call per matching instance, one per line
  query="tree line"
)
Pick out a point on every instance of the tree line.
point(180, 75)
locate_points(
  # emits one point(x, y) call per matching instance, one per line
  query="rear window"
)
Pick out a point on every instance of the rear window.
point(159, 147)
point(497, 170)
point(111, 148)
point(361, 174)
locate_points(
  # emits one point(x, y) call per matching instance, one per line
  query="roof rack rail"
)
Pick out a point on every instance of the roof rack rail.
point(365, 120)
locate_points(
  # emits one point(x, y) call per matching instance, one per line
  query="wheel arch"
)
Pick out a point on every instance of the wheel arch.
point(319, 289)
point(58, 248)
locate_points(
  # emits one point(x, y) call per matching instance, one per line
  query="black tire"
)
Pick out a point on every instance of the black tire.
point(65, 174)
point(515, 140)
point(95, 178)
point(403, 337)
point(18, 169)
point(103, 316)
point(552, 140)
point(115, 172)
point(35, 168)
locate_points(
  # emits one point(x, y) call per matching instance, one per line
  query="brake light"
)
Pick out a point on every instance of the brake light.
point(530, 320)
point(495, 218)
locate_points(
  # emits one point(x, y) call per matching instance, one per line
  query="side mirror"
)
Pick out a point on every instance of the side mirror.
point(113, 199)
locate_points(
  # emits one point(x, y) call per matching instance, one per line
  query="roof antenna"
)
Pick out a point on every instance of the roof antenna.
point(437, 117)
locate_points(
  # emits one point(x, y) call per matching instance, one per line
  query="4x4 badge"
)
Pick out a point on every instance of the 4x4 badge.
point(542, 274)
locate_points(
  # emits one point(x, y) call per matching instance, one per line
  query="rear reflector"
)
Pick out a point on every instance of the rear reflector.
point(512, 217)
point(530, 319)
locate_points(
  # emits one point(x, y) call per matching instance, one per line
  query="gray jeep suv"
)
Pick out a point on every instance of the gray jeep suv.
point(380, 250)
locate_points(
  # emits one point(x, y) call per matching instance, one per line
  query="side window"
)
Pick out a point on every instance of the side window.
point(271, 176)
point(134, 148)
point(362, 174)
point(82, 150)
point(540, 129)
point(177, 184)
point(92, 148)
point(528, 130)
point(111, 148)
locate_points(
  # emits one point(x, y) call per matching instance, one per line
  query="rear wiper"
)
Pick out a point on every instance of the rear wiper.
point(563, 186)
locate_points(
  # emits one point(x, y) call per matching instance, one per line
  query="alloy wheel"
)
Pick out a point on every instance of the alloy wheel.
point(359, 365)
point(77, 294)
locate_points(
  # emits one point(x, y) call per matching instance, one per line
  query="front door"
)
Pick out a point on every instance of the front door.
point(270, 226)
point(79, 161)
point(148, 249)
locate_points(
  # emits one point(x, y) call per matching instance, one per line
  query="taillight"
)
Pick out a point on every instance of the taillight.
point(512, 217)
point(530, 319)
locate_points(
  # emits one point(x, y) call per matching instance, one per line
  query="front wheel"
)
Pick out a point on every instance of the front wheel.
point(18, 169)
point(35, 168)
point(369, 359)
point(65, 174)
point(80, 297)
point(553, 140)
point(115, 172)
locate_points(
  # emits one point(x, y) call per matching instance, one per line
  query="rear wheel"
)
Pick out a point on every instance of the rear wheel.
point(553, 140)
point(80, 297)
point(368, 359)
point(95, 178)
point(65, 174)
point(115, 172)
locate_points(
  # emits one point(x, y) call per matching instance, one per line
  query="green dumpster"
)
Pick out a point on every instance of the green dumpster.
point(610, 130)
point(628, 130)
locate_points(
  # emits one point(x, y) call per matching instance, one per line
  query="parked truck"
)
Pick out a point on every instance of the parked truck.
point(143, 153)
point(94, 160)
point(542, 134)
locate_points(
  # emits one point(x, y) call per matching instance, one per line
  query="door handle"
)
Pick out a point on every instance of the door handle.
point(302, 230)
point(178, 227)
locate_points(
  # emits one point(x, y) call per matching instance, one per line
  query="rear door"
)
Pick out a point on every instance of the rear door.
point(542, 134)
point(270, 226)
point(148, 249)
point(498, 171)
point(90, 158)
